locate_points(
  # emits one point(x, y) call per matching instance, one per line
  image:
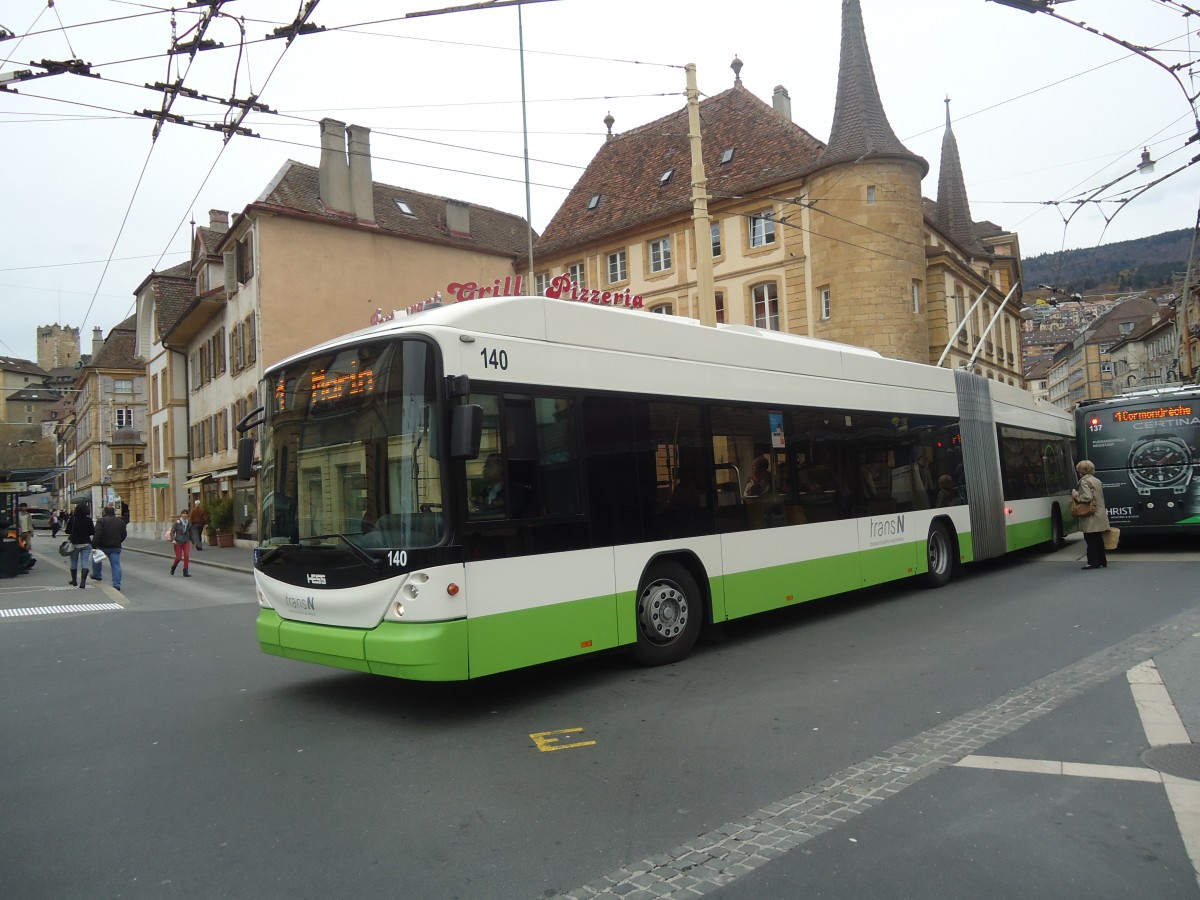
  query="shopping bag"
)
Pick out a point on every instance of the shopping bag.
point(167, 533)
point(98, 556)
point(1111, 538)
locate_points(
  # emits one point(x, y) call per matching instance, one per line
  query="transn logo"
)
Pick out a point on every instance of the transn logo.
point(316, 579)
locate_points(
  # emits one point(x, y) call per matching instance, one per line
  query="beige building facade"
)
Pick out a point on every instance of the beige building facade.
point(833, 241)
point(323, 251)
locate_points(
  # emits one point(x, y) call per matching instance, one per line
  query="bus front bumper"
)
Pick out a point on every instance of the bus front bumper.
point(417, 651)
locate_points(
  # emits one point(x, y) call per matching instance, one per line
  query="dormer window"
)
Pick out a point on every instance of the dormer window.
point(403, 206)
point(594, 202)
point(665, 177)
point(727, 155)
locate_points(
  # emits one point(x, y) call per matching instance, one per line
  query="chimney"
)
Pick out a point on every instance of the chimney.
point(458, 218)
point(218, 220)
point(334, 174)
point(97, 342)
point(782, 103)
point(362, 189)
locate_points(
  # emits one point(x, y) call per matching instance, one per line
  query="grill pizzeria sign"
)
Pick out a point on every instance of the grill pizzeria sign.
point(561, 287)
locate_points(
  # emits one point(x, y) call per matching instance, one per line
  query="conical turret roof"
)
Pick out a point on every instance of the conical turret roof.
point(953, 210)
point(860, 127)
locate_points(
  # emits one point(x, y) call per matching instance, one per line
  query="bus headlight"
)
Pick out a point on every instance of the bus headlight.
point(262, 600)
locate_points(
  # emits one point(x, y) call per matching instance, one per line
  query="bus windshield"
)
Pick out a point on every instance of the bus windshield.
point(350, 448)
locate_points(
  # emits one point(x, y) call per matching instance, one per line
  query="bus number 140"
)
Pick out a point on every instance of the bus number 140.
point(494, 359)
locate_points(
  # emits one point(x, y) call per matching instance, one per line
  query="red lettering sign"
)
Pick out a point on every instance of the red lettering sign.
point(563, 288)
point(510, 287)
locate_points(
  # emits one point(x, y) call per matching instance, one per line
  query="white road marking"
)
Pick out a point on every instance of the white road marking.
point(1163, 726)
point(54, 610)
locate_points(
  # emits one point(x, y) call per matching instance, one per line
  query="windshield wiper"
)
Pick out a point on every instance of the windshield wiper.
point(358, 551)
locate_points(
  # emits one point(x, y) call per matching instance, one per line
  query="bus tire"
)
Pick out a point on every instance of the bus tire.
point(1058, 537)
point(940, 554)
point(670, 614)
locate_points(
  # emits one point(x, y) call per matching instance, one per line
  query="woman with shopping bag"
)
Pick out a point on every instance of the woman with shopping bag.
point(79, 532)
point(1087, 503)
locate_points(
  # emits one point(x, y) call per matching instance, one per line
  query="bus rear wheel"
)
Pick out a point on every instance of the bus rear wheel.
point(940, 554)
point(670, 612)
point(1058, 538)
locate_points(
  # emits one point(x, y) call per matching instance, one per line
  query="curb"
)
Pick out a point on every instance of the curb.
point(194, 560)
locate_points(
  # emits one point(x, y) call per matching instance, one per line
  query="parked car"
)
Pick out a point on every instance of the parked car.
point(41, 518)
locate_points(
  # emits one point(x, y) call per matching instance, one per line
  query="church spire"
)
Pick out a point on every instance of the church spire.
point(860, 126)
point(953, 211)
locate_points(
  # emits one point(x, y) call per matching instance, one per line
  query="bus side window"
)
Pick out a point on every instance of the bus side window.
point(529, 466)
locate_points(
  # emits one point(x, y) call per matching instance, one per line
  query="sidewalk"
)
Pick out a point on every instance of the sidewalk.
point(235, 559)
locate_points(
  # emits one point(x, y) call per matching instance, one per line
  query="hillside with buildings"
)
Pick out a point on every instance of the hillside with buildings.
point(1147, 263)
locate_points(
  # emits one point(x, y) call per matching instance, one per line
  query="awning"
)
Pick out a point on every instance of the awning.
point(195, 482)
point(224, 473)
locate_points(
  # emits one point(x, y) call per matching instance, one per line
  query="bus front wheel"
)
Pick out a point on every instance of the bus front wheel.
point(940, 554)
point(670, 611)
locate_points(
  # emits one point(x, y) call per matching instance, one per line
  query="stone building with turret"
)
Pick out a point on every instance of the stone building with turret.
point(831, 240)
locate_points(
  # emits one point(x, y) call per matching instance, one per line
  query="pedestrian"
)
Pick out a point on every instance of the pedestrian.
point(181, 537)
point(25, 526)
point(1089, 491)
point(198, 519)
point(54, 523)
point(110, 534)
point(79, 532)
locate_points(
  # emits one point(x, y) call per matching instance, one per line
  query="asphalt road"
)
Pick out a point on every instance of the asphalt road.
point(154, 751)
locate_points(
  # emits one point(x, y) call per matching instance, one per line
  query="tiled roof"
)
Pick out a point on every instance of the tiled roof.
point(626, 173)
point(173, 291)
point(25, 366)
point(296, 188)
point(860, 126)
point(209, 239)
point(118, 349)
point(1108, 325)
point(36, 394)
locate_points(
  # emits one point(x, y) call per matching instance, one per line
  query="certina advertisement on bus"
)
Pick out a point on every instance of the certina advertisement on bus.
point(477, 487)
point(1145, 447)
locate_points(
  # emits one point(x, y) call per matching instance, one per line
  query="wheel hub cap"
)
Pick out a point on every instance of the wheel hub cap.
point(663, 612)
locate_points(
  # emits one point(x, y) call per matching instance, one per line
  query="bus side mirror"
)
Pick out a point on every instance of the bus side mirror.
point(245, 467)
point(245, 458)
point(466, 429)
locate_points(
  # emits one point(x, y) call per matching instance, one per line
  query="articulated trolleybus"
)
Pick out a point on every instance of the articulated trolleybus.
point(1146, 447)
point(504, 482)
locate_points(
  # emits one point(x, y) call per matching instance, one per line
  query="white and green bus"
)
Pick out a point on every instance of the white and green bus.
point(508, 481)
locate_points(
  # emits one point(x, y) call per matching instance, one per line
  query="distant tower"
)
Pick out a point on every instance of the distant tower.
point(57, 346)
point(866, 222)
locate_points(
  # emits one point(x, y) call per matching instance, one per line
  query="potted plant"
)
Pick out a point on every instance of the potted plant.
point(220, 520)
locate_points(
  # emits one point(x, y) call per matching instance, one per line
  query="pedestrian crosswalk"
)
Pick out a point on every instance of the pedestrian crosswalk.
point(54, 610)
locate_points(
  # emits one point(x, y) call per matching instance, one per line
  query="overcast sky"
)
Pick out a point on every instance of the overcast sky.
point(1044, 114)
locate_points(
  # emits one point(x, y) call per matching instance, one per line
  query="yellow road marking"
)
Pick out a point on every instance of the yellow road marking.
point(547, 741)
